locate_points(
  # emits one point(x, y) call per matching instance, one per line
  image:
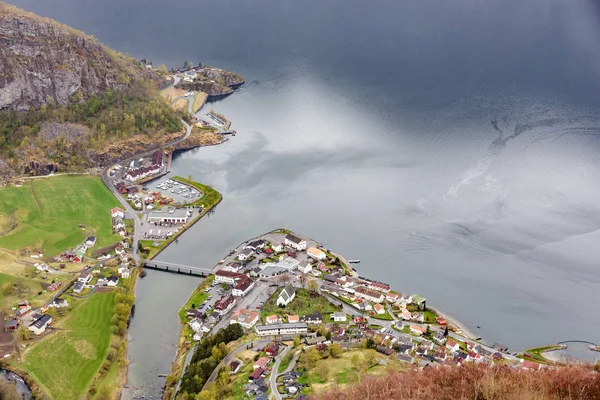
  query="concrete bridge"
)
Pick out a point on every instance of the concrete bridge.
point(178, 268)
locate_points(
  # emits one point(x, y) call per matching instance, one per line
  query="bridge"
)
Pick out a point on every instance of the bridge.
point(178, 268)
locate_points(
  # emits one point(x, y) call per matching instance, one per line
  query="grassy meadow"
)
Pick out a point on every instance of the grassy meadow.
point(48, 212)
point(65, 362)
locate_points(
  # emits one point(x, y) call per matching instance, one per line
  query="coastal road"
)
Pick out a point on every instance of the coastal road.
point(233, 354)
point(274, 375)
point(125, 204)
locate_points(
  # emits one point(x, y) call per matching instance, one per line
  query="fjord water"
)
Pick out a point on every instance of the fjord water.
point(452, 146)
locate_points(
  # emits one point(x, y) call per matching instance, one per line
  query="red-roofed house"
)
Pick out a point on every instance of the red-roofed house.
point(452, 345)
point(418, 330)
point(392, 297)
point(379, 309)
point(293, 319)
point(261, 363)
point(441, 321)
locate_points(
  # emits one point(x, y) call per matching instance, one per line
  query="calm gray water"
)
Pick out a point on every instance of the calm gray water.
point(451, 146)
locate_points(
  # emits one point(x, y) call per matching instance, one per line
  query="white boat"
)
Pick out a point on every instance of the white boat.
point(353, 261)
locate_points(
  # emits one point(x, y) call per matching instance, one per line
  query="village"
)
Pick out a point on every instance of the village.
point(291, 295)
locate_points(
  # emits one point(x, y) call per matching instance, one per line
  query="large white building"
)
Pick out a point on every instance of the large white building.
point(286, 296)
point(245, 318)
point(367, 294)
point(315, 253)
point(170, 215)
point(243, 286)
point(295, 242)
point(281, 329)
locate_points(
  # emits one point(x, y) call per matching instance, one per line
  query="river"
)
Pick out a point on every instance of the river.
point(451, 146)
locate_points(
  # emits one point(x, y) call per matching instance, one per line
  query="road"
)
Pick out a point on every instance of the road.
point(233, 354)
point(273, 376)
point(134, 213)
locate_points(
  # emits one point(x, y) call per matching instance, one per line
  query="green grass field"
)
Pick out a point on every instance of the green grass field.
point(25, 289)
point(301, 305)
point(49, 210)
point(65, 362)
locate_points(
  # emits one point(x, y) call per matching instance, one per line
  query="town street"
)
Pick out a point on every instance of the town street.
point(273, 376)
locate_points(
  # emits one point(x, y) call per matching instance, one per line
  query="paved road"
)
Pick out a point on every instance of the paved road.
point(233, 354)
point(273, 376)
point(137, 220)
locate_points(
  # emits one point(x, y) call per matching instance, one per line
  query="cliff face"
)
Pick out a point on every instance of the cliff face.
point(42, 61)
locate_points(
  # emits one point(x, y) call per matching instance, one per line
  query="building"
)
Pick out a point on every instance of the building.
point(379, 309)
point(235, 366)
point(452, 345)
point(243, 286)
point(261, 363)
point(315, 253)
point(293, 318)
point(286, 296)
point(85, 277)
point(124, 272)
point(439, 338)
point(256, 245)
point(117, 213)
point(295, 242)
point(224, 305)
point(420, 301)
point(380, 287)
point(157, 157)
point(338, 317)
point(245, 318)
point(272, 319)
point(256, 374)
point(12, 325)
point(277, 247)
point(195, 324)
point(370, 295)
point(112, 280)
point(142, 172)
point(39, 325)
point(90, 241)
point(233, 267)
point(418, 330)
point(286, 265)
point(392, 297)
point(245, 254)
point(54, 287)
point(281, 329)
point(222, 276)
point(305, 267)
point(170, 215)
point(441, 321)
point(272, 349)
point(59, 303)
point(314, 318)
point(78, 287)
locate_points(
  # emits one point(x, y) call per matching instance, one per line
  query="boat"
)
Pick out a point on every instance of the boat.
point(353, 261)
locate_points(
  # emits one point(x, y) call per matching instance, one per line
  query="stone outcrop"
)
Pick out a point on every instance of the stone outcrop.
point(214, 82)
point(42, 61)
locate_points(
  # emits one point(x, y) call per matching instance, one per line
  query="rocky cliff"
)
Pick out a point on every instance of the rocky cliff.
point(42, 61)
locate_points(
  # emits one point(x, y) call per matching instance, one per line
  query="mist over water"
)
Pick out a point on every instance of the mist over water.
point(452, 146)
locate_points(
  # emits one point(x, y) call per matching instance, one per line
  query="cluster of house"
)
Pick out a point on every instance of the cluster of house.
point(118, 225)
point(37, 322)
point(123, 188)
point(75, 255)
point(137, 171)
point(85, 277)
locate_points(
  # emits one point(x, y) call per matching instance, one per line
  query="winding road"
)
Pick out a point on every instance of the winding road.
point(233, 354)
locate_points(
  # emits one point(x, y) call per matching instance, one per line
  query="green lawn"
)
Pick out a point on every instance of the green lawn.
point(48, 212)
point(65, 362)
point(23, 289)
point(301, 305)
point(196, 298)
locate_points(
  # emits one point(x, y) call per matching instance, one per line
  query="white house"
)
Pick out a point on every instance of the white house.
point(281, 329)
point(315, 253)
point(256, 245)
point(195, 324)
point(117, 213)
point(39, 325)
point(338, 317)
point(242, 286)
point(379, 309)
point(85, 277)
point(245, 254)
point(305, 267)
point(222, 276)
point(277, 247)
point(295, 242)
point(452, 345)
point(112, 280)
point(124, 272)
point(370, 295)
point(286, 296)
point(90, 241)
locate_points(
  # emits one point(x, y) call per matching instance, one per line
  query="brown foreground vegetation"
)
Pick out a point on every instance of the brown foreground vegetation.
point(476, 383)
